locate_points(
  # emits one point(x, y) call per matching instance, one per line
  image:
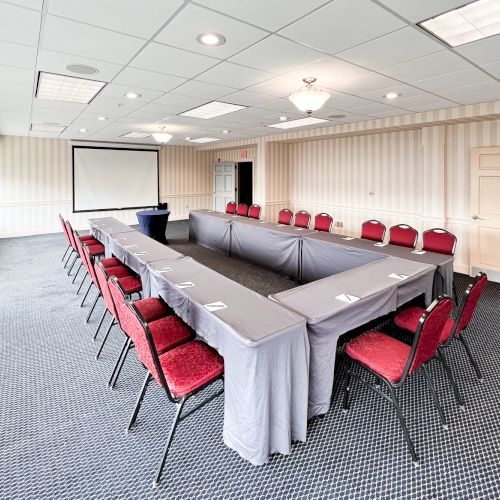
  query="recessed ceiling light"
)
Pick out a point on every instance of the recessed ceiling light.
point(47, 127)
point(392, 95)
point(83, 130)
point(202, 140)
point(225, 131)
point(135, 135)
point(211, 39)
point(283, 118)
point(82, 69)
point(102, 118)
point(54, 87)
point(132, 95)
point(301, 122)
point(212, 109)
point(474, 21)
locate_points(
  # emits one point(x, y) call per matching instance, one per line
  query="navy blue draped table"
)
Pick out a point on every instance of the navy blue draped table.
point(153, 223)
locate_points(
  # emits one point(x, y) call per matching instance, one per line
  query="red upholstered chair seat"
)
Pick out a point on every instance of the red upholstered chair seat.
point(96, 249)
point(120, 271)
point(384, 355)
point(88, 237)
point(130, 284)
point(111, 262)
point(190, 366)
point(152, 309)
point(169, 332)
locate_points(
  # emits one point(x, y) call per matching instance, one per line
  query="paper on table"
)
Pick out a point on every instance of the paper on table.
point(186, 284)
point(345, 297)
point(164, 270)
point(397, 276)
point(215, 306)
point(380, 244)
point(130, 246)
point(262, 222)
point(121, 239)
point(141, 253)
point(280, 225)
point(347, 238)
point(419, 252)
point(299, 229)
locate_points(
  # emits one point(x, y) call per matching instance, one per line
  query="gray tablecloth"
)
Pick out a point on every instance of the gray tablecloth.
point(100, 228)
point(328, 317)
point(267, 244)
point(265, 349)
point(324, 254)
point(210, 229)
point(136, 250)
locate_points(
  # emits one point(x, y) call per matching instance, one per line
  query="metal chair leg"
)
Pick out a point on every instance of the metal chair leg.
point(105, 338)
point(100, 324)
point(68, 258)
point(82, 282)
point(434, 397)
point(138, 404)
point(403, 424)
point(471, 358)
point(447, 369)
point(347, 388)
point(455, 294)
point(77, 271)
point(86, 293)
point(180, 405)
point(119, 363)
point(72, 264)
point(66, 251)
point(93, 306)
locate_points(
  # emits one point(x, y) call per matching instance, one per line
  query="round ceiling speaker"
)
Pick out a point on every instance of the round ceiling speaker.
point(82, 69)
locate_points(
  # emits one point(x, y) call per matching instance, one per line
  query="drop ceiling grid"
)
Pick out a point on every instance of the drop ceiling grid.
point(246, 69)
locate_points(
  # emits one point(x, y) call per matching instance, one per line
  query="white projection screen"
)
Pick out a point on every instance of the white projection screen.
point(114, 178)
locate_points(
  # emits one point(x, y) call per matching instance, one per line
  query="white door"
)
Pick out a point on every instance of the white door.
point(485, 206)
point(224, 184)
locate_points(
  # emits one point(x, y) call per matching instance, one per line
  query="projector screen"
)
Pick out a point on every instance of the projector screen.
point(114, 178)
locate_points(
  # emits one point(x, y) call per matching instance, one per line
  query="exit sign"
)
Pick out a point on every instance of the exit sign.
point(243, 153)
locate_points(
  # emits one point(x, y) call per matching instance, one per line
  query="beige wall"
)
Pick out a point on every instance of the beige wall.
point(35, 185)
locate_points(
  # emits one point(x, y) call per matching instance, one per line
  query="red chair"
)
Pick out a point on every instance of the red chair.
point(285, 216)
point(231, 208)
point(65, 231)
point(98, 248)
point(302, 219)
point(403, 235)
point(373, 230)
point(254, 212)
point(182, 371)
point(439, 241)
point(323, 222)
point(392, 361)
point(242, 210)
point(453, 328)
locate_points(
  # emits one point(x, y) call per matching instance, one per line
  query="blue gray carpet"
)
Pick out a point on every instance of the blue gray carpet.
point(62, 431)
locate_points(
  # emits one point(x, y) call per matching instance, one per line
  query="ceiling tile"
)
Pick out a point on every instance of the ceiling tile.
point(181, 101)
point(402, 45)
point(465, 77)
point(20, 56)
point(401, 88)
point(421, 10)
point(32, 4)
point(234, 75)
point(203, 90)
point(374, 108)
point(246, 98)
point(19, 25)
point(483, 51)
point(342, 24)
point(435, 64)
point(364, 83)
point(172, 61)
point(481, 92)
point(348, 103)
point(424, 102)
point(16, 89)
point(11, 74)
point(55, 62)
point(195, 20)
point(148, 79)
point(269, 15)
point(88, 41)
point(276, 55)
point(493, 69)
point(142, 21)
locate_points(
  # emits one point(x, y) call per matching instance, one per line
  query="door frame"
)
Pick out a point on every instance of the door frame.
point(235, 179)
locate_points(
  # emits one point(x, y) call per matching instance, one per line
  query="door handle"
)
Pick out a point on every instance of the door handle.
point(475, 217)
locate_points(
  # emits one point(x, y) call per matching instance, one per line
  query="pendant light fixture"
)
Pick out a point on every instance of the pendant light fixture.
point(162, 137)
point(309, 98)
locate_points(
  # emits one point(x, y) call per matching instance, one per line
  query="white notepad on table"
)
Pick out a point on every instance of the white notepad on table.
point(419, 252)
point(164, 270)
point(130, 246)
point(397, 276)
point(141, 253)
point(380, 244)
point(347, 238)
point(346, 297)
point(215, 306)
point(186, 284)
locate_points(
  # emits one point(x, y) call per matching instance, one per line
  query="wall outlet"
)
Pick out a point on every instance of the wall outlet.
point(339, 223)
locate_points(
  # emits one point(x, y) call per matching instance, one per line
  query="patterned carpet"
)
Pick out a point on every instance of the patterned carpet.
point(62, 430)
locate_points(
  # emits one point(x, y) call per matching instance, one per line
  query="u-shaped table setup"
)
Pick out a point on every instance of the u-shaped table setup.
point(280, 359)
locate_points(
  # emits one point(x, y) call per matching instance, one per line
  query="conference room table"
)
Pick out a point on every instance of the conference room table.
point(265, 349)
point(211, 229)
point(339, 303)
point(101, 227)
point(325, 254)
point(271, 245)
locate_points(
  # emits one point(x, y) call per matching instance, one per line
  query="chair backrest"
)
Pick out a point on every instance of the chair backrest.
point(242, 209)
point(119, 297)
point(323, 222)
point(231, 208)
point(254, 212)
point(71, 235)
point(439, 241)
point(89, 261)
point(428, 333)
point(403, 235)
point(65, 229)
point(373, 230)
point(302, 219)
point(285, 216)
point(102, 277)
